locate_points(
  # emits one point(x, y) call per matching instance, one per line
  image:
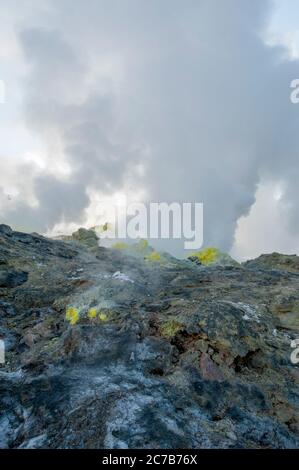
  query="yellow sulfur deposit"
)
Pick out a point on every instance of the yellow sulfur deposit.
point(102, 316)
point(170, 328)
point(92, 313)
point(119, 246)
point(153, 256)
point(206, 256)
point(72, 315)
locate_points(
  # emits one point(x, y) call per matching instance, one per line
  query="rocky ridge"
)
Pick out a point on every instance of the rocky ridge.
point(158, 352)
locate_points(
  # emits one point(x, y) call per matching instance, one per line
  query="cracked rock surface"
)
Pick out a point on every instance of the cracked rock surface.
point(174, 355)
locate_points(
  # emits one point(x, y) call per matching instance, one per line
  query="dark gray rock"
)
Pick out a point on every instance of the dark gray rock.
point(12, 278)
point(9, 337)
point(5, 230)
point(6, 310)
point(3, 259)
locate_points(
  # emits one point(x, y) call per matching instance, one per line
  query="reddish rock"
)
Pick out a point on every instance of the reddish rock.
point(209, 370)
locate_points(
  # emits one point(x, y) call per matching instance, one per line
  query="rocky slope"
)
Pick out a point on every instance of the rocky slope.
point(154, 352)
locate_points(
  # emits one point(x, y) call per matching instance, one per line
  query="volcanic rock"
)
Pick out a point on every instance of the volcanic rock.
point(105, 349)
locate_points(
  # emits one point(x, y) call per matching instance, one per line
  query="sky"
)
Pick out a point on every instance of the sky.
point(185, 101)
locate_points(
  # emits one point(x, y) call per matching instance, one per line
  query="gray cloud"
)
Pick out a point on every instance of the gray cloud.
point(187, 87)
